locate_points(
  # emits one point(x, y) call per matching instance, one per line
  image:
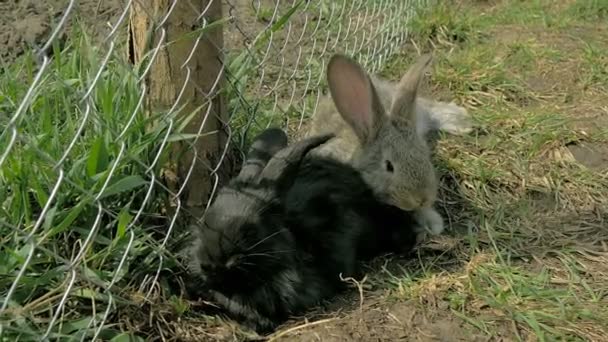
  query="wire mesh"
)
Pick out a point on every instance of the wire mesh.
point(85, 230)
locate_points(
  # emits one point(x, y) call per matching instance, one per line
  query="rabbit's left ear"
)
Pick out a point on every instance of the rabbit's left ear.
point(403, 105)
point(281, 170)
point(355, 97)
point(264, 146)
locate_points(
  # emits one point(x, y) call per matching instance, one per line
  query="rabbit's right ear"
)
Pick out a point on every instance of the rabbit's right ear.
point(263, 147)
point(281, 170)
point(355, 97)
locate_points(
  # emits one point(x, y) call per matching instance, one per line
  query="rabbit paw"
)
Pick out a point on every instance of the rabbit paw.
point(429, 221)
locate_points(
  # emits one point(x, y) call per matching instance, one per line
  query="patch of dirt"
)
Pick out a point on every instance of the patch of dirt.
point(542, 201)
point(550, 78)
point(557, 78)
point(28, 24)
point(377, 318)
point(379, 321)
point(593, 156)
point(590, 115)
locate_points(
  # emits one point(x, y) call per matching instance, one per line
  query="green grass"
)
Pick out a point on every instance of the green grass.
point(595, 64)
point(526, 269)
point(589, 9)
point(447, 22)
point(104, 185)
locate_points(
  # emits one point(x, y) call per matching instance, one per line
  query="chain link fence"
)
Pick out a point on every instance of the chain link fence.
point(91, 199)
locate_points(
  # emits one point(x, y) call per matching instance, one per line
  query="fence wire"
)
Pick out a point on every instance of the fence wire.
point(86, 233)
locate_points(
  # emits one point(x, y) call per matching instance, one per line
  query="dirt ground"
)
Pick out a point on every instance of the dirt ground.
point(26, 24)
point(439, 308)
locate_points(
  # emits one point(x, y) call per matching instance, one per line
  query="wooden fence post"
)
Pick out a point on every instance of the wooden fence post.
point(166, 79)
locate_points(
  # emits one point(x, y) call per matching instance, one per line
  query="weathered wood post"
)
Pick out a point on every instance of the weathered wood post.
point(168, 73)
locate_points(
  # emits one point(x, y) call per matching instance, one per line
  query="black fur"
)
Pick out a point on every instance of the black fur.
point(273, 247)
point(334, 215)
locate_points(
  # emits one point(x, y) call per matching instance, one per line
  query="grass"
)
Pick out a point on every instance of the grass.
point(525, 258)
point(535, 268)
point(98, 210)
point(593, 9)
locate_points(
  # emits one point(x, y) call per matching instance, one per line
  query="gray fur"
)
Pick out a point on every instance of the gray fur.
point(393, 128)
point(431, 115)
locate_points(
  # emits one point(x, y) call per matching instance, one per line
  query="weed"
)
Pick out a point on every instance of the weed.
point(89, 165)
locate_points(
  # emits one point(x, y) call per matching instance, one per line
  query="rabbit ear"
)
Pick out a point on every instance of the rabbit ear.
point(355, 97)
point(402, 108)
point(264, 147)
point(282, 168)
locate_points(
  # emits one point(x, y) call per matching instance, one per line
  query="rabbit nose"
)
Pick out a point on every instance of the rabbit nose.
point(423, 201)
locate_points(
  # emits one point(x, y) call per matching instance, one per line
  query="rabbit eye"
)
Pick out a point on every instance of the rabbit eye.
point(389, 166)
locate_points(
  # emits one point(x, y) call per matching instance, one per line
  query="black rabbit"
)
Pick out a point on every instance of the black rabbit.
point(277, 238)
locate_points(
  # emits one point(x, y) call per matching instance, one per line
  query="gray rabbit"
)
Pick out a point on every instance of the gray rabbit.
point(381, 129)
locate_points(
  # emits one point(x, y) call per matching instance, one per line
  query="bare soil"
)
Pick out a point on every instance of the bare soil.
point(384, 320)
point(27, 24)
point(593, 156)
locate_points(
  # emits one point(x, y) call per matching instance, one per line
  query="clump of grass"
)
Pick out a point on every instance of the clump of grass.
point(91, 163)
point(596, 65)
point(535, 300)
point(481, 76)
point(589, 9)
point(444, 23)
